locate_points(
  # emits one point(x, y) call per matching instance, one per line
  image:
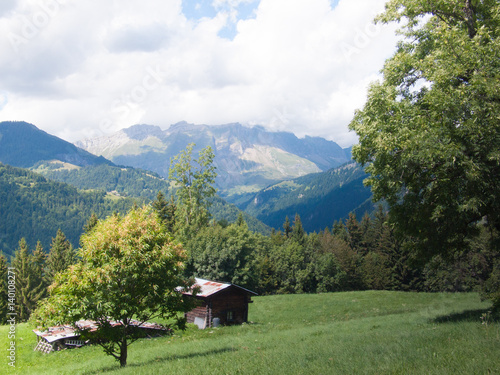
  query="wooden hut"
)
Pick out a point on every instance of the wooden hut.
point(227, 303)
point(66, 336)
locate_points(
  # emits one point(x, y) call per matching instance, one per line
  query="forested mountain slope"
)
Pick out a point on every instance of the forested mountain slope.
point(319, 199)
point(35, 208)
point(120, 181)
point(136, 183)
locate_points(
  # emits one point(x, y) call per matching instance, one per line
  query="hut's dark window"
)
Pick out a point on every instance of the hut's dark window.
point(230, 316)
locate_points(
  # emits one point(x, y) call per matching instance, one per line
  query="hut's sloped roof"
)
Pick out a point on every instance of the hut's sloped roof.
point(65, 331)
point(56, 333)
point(209, 288)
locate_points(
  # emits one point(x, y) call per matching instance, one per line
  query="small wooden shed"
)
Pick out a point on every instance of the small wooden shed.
point(66, 336)
point(227, 302)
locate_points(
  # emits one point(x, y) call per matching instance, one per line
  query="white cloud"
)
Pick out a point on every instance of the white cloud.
point(6, 6)
point(79, 69)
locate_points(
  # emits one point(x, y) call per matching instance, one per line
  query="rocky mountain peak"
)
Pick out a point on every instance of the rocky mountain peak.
point(246, 157)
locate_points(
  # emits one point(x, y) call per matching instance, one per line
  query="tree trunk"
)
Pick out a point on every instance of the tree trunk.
point(470, 18)
point(123, 352)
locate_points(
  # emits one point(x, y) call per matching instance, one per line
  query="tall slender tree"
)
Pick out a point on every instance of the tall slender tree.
point(61, 255)
point(40, 265)
point(287, 227)
point(166, 210)
point(91, 222)
point(194, 180)
point(30, 286)
point(298, 232)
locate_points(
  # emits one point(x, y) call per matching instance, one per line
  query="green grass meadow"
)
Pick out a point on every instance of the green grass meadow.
point(372, 332)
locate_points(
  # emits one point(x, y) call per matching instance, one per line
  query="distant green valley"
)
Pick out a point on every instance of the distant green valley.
point(34, 207)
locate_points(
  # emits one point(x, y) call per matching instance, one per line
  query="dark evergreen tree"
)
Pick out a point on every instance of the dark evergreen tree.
point(61, 255)
point(369, 234)
point(40, 264)
point(375, 271)
point(91, 223)
point(298, 232)
point(30, 286)
point(241, 220)
point(287, 227)
point(340, 230)
point(354, 232)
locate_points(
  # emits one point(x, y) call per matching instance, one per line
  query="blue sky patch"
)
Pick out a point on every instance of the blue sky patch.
point(196, 10)
point(334, 3)
point(245, 11)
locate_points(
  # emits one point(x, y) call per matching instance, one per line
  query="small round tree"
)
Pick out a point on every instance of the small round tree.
point(130, 268)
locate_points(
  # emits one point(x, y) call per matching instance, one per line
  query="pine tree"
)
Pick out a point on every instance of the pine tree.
point(30, 287)
point(339, 230)
point(39, 258)
point(298, 233)
point(61, 255)
point(165, 210)
point(240, 221)
point(91, 223)
point(354, 231)
point(287, 227)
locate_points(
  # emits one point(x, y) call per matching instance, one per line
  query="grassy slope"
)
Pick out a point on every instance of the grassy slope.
point(341, 333)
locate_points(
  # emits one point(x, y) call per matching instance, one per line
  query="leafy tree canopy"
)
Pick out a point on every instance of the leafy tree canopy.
point(130, 268)
point(194, 179)
point(430, 131)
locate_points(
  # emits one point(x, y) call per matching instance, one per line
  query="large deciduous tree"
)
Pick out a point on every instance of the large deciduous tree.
point(430, 131)
point(130, 268)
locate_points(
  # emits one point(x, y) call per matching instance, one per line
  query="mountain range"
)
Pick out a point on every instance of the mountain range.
point(247, 158)
point(320, 198)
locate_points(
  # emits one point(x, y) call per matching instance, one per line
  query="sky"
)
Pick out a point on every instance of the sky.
point(84, 69)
